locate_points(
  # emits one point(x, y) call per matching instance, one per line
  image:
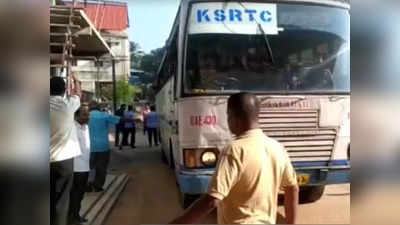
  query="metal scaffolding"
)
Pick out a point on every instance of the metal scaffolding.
point(72, 37)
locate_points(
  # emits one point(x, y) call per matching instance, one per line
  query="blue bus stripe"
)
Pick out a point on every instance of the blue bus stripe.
point(324, 163)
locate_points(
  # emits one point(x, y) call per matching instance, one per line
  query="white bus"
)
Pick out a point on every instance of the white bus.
point(293, 54)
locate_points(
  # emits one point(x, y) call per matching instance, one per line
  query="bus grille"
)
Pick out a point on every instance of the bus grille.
point(299, 133)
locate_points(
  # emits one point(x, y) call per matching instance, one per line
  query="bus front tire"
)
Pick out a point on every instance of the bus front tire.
point(311, 194)
point(188, 199)
point(163, 157)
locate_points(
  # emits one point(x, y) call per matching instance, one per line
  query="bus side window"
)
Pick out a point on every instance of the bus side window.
point(169, 65)
point(162, 76)
point(168, 70)
point(173, 64)
point(175, 81)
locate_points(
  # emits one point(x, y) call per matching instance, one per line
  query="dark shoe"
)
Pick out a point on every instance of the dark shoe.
point(96, 189)
point(120, 147)
point(89, 188)
point(133, 146)
point(82, 220)
point(77, 220)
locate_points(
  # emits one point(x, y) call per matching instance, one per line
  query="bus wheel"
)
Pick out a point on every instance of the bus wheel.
point(171, 157)
point(188, 199)
point(163, 157)
point(311, 193)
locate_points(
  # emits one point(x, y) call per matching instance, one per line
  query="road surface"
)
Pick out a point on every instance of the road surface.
point(152, 196)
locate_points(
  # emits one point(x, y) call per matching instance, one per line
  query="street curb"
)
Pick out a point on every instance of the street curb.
point(100, 205)
point(101, 218)
point(91, 199)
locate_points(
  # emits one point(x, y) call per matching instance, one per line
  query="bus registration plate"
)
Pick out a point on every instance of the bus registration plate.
point(303, 179)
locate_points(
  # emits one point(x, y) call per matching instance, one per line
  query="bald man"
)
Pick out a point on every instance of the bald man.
point(249, 174)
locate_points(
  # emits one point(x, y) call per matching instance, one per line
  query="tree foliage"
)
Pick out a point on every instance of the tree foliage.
point(146, 62)
point(136, 54)
point(125, 92)
point(133, 47)
point(151, 62)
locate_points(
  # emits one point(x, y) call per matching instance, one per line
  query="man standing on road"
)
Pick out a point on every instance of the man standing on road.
point(249, 174)
point(152, 122)
point(64, 145)
point(120, 126)
point(145, 112)
point(81, 166)
point(99, 144)
point(129, 128)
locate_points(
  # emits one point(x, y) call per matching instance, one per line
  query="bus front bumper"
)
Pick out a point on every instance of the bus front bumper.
point(196, 181)
point(322, 173)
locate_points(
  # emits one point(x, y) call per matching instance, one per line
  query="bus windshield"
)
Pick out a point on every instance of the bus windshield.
point(309, 53)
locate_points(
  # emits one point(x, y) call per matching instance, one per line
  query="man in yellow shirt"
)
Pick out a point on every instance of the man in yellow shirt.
point(249, 174)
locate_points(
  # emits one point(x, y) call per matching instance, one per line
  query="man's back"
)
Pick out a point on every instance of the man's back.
point(248, 178)
point(120, 112)
point(129, 115)
point(98, 129)
point(63, 137)
point(152, 120)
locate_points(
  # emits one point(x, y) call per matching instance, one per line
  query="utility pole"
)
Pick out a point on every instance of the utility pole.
point(114, 86)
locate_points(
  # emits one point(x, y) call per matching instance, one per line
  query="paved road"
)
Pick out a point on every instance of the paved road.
point(152, 197)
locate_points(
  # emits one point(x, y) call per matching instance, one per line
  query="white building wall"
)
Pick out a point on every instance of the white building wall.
point(89, 73)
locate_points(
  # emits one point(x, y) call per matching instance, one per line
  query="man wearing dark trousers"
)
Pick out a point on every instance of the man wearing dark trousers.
point(152, 122)
point(81, 166)
point(99, 124)
point(129, 128)
point(120, 126)
point(145, 112)
point(63, 145)
point(60, 173)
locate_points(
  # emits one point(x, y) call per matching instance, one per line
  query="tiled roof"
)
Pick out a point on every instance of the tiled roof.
point(107, 15)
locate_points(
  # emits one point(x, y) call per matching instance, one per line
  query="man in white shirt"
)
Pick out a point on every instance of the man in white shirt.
point(64, 145)
point(81, 166)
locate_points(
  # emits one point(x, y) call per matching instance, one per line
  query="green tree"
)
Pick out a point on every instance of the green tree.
point(136, 54)
point(133, 47)
point(151, 62)
point(126, 92)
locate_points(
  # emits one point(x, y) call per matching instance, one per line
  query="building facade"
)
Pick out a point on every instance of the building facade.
point(111, 19)
point(72, 37)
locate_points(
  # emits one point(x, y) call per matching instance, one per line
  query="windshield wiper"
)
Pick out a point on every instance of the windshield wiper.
point(267, 44)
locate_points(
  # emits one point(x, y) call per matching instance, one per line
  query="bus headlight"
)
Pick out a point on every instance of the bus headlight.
point(209, 158)
point(200, 157)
